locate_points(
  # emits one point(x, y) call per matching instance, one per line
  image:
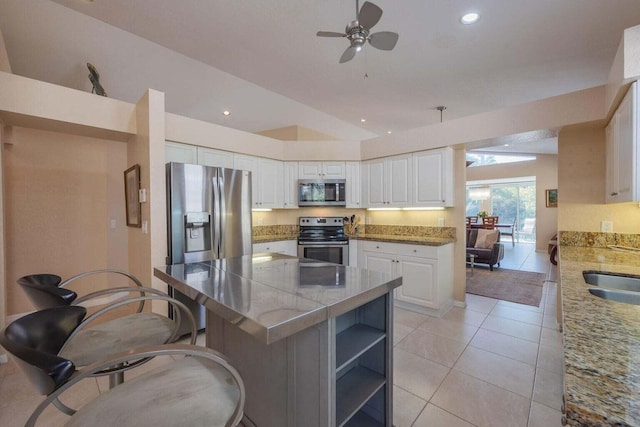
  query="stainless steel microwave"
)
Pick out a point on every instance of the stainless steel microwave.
point(328, 192)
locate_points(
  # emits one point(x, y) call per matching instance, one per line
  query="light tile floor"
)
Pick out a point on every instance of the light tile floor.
point(523, 256)
point(493, 363)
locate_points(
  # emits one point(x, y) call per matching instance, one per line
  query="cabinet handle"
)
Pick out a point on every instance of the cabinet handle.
point(377, 247)
point(415, 250)
point(563, 420)
point(614, 194)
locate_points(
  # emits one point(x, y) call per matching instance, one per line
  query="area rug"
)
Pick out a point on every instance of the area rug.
point(523, 287)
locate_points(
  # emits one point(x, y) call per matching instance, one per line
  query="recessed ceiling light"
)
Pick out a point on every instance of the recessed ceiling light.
point(226, 112)
point(506, 145)
point(470, 18)
point(389, 132)
point(363, 120)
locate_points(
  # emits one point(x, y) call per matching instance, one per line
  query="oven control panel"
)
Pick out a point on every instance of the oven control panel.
point(331, 221)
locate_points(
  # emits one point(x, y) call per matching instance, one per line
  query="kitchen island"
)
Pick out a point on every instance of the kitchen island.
point(312, 340)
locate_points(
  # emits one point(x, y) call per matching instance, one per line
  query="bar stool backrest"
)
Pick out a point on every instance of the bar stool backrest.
point(43, 291)
point(34, 341)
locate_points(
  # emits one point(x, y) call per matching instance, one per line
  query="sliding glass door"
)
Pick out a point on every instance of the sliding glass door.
point(512, 203)
point(515, 203)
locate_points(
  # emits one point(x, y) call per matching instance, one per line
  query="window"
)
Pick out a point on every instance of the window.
point(483, 159)
point(510, 201)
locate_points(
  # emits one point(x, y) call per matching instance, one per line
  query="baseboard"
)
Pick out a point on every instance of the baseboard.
point(423, 310)
point(460, 304)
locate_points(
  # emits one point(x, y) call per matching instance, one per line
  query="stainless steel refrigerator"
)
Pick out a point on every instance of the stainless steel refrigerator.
point(208, 217)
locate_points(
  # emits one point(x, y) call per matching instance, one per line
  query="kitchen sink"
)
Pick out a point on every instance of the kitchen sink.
point(623, 282)
point(628, 297)
point(614, 286)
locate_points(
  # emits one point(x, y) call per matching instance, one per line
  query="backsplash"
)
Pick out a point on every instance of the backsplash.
point(275, 230)
point(387, 230)
point(598, 240)
point(410, 230)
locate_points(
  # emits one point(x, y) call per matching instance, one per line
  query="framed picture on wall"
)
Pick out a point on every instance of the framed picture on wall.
point(552, 198)
point(132, 203)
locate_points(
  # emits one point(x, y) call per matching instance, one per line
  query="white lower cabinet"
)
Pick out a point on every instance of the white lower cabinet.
point(353, 253)
point(427, 273)
point(285, 247)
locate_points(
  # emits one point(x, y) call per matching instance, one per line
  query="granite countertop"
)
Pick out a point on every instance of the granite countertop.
point(414, 240)
point(601, 342)
point(275, 296)
point(274, 238)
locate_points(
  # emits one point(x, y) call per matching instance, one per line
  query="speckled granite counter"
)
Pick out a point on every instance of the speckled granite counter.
point(601, 342)
point(417, 235)
point(274, 233)
point(274, 238)
point(415, 240)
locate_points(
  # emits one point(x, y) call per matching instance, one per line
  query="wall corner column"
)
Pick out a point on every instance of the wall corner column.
point(459, 222)
point(146, 148)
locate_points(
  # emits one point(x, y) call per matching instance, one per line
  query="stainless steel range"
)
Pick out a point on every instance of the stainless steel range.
point(323, 239)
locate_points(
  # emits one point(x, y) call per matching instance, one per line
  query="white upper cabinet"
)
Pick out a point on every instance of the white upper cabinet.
point(622, 151)
point(185, 153)
point(353, 187)
point(217, 158)
point(271, 183)
point(266, 180)
point(321, 170)
point(180, 153)
point(387, 182)
point(290, 196)
point(433, 178)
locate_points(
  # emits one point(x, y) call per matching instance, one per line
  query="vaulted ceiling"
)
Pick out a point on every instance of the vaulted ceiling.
point(263, 61)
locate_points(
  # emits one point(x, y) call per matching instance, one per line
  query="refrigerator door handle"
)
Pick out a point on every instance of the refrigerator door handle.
point(222, 216)
point(217, 238)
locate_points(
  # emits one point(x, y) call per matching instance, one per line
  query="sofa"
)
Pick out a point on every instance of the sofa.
point(486, 246)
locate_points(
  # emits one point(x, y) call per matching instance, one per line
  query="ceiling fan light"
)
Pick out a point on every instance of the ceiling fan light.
point(358, 48)
point(470, 18)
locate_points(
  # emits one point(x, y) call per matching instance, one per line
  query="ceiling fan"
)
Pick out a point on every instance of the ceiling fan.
point(357, 32)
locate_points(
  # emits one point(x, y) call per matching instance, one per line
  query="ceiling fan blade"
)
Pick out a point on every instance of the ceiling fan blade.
point(329, 34)
point(369, 15)
point(385, 40)
point(348, 54)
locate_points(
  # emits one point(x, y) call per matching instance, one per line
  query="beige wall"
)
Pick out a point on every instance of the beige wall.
point(3, 270)
point(290, 216)
point(549, 113)
point(62, 191)
point(296, 133)
point(148, 244)
point(457, 219)
point(545, 169)
point(4, 58)
point(581, 185)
